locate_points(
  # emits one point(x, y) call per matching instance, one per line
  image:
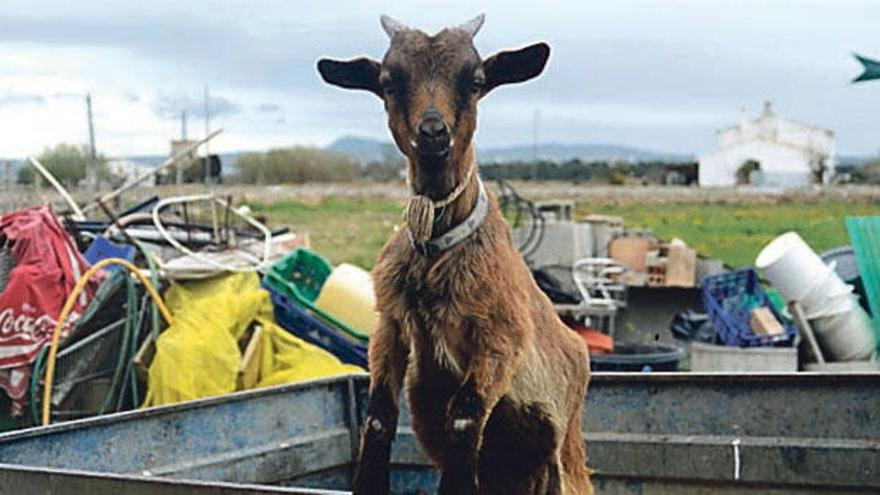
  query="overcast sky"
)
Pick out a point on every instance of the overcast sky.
point(655, 74)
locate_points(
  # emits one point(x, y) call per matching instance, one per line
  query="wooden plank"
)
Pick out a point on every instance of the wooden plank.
point(763, 322)
point(249, 369)
point(631, 251)
point(681, 266)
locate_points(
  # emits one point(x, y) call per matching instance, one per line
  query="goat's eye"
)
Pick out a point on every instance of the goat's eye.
point(389, 87)
point(479, 82)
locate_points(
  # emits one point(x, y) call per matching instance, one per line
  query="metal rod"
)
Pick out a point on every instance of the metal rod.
point(226, 236)
point(167, 163)
point(801, 319)
point(58, 187)
point(115, 220)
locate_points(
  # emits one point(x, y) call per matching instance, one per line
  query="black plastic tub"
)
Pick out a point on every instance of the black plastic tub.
point(628, 356)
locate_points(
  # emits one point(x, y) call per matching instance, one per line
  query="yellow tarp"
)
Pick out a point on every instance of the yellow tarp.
point(199, 356)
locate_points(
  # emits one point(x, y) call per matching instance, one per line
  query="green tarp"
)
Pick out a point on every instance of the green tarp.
point(864, 235)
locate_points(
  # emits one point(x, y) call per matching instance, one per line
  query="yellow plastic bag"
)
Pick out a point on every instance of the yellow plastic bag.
point(199, 356)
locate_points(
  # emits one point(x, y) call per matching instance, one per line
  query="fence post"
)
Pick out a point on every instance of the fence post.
point(38, 186)
point(8, 180)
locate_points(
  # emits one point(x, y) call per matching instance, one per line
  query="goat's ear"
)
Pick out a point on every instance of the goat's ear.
point(515, 66)
point(358, 73)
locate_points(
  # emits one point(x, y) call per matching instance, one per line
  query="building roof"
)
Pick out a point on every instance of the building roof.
point(768, 113)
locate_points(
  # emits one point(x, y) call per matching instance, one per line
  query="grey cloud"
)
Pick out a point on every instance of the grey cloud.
point(170, 107)
point(268, 107)
point(64, 95)
point(691, 57)
point(21, 99)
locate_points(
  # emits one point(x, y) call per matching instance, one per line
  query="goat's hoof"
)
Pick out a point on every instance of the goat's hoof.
point(371, 486)
point(457, 485)
point(462, 424)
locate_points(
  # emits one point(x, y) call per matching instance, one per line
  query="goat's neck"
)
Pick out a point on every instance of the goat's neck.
point(457, 211)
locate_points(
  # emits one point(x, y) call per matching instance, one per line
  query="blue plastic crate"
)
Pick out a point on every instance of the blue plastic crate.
point(299, 322)
point(729, 299)
point(102, 248)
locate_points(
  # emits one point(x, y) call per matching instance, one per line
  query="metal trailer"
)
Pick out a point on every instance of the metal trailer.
point(660, 433)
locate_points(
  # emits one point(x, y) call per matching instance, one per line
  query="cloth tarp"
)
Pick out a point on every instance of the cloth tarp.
point(199, 356)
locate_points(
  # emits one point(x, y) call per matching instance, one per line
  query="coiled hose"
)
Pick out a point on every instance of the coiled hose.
point(68, 306)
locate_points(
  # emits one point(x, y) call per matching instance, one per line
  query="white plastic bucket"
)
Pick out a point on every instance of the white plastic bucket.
point(846, 336)
point(829, 296)
point(348, 295)
point(792, 266)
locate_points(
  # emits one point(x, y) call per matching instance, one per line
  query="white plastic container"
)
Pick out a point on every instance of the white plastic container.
point(348, 295)
point(708, 358)
point(562, 243)
point(796, 271)
point(828, 297)
point(846, 335)
point(792, 266)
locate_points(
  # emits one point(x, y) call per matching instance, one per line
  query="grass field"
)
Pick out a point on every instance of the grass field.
point(354, 229)
point(342, 229)
point(735, 233)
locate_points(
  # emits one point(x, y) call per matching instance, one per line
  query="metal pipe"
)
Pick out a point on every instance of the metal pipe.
point(167, 163)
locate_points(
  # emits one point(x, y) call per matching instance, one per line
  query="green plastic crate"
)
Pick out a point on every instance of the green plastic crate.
point(299, 276)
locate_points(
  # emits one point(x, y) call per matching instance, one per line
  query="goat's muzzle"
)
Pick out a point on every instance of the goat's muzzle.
point(433, 138)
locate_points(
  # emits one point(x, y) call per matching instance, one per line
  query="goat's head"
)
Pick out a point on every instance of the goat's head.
point(430, 86)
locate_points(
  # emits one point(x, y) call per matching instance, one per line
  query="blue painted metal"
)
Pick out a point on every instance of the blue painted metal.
point(661, 432)
point(259, 436)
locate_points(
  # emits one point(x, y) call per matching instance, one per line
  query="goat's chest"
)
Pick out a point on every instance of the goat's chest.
point(434, 317)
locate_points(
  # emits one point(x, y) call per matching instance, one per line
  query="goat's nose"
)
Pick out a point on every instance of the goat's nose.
point(431, 125)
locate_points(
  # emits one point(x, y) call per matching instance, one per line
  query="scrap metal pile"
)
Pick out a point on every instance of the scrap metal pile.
point(170, 299)
point(810, 313)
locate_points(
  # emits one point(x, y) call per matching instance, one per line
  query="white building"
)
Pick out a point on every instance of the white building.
point(769, 151)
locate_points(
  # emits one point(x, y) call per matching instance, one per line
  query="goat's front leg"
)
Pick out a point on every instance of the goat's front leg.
point(388, 358)
point(485, 382)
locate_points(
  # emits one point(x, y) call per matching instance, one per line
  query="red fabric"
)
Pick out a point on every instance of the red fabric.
point(47, 266)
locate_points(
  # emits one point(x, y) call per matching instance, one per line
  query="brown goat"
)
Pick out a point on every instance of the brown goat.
point(495, 381)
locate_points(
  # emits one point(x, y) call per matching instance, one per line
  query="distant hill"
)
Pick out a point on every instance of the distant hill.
point(368, 149)
point(558, 152)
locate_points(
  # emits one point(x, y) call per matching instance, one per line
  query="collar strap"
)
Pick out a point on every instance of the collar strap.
point(460, 232)
point(420, 209)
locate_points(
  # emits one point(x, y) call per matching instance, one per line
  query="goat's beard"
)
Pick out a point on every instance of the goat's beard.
point(420, 217)
point(432, 176)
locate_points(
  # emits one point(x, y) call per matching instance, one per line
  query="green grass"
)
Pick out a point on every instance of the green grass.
point(735, 233)
point(342, 230)
point(354, 230)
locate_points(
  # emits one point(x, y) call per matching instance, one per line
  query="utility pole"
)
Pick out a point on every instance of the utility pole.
point(178, 169)
point(92, 167)
point(207, 131)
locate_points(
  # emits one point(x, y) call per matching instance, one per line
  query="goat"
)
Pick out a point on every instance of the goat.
point(494, 380)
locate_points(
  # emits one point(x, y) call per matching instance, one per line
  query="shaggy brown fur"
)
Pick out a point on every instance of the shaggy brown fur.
point(495, 382)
